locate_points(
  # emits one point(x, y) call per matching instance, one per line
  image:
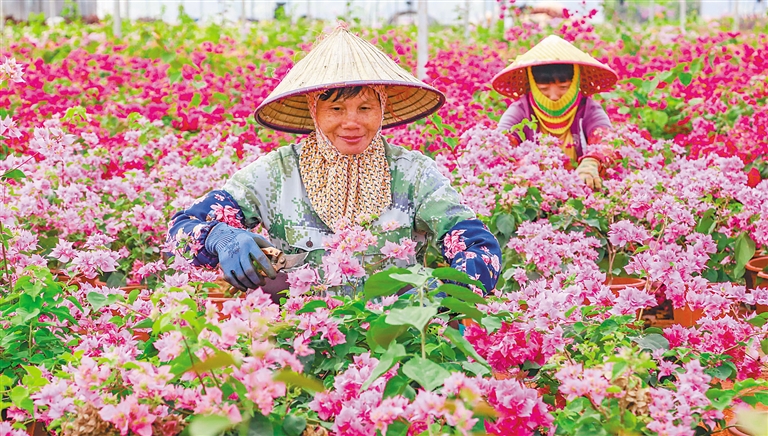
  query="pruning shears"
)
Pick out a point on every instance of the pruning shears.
point(281, 261)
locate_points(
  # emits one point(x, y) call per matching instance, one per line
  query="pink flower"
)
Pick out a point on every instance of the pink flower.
point(8, 128)
point(390, 225)
point(387, 412)
point(12, 71)
point(129, 416)
point(7, 430)
point(625, 231)
point(169, 346)
point(301, 280)
point(98, 240)
point(404, 251)
point(53, 396)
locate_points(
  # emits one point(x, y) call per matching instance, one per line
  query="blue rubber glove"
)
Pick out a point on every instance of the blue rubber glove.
point(237, 250)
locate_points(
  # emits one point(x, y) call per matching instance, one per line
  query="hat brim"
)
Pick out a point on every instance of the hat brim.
point(405, 103)
point(513, 80)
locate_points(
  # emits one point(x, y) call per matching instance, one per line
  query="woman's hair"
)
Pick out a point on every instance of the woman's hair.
point(552, 73)
point(336, 94)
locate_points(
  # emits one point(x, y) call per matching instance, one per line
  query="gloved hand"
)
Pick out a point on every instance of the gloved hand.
point(588, 172)
point(237, 250)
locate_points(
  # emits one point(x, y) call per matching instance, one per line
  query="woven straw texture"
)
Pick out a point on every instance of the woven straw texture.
point(344, 59)
point(595, 76)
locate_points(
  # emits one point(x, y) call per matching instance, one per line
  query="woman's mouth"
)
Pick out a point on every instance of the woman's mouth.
point(351, 139)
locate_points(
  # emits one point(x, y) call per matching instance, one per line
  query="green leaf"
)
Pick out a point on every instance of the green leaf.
point(99, 300)
point(425, 372)
point(491, 323)
point(20, 397)
point(414, 316)
point(382, 285)
point(393, 354)
point(505, 223)
point(476, 368)
point(294, 425)
point(174, 76)
point(618, 369)
point(116, 280)
point(744, 249)
point(720, 398)
point(311, 306)
point(196, 99)
point(461, 307)
point(397, 428)
point(14, 174)
point(685, 78)
point(448, 273)
point(722, 372)
point(462, 344)
point(219, 360)
point(209, 425)
point(382, 334)
point(289, 377)
point(461, 293)
point(764, 346)
point(145, 323)
point(395, 386)
point(417, 280)
point(653, 342)
point(707, 222)
point(695, 67)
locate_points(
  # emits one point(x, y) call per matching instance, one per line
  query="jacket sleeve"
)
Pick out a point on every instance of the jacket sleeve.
point(189, 228)
point(470, 247)
point(463, 240)
point(594, 118)
point(596, 124)
point(512, 116)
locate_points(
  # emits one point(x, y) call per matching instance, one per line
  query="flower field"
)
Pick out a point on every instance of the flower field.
point(104, 139)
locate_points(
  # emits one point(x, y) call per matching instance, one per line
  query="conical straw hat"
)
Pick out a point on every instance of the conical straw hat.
point(344, 59)
point(595, 76)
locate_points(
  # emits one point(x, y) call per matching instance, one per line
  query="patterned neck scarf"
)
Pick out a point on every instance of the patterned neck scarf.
point(556, 117)
point(355, 187)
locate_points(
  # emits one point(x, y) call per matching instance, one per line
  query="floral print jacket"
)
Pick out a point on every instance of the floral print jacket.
point(269, 192)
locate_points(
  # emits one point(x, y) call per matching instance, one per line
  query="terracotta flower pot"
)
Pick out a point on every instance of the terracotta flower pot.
point(76, 280)
point(762, 308)
point(752, 268)
point(616, 284)
point(687, 317)
point(37, 428)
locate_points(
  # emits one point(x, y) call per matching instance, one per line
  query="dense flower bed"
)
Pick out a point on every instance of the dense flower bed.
point(103, 139)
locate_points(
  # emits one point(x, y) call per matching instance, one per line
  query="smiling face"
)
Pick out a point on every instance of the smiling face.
point(350, 123)
point(554, 91)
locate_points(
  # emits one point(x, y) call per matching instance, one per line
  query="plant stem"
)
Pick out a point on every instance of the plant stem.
point(191, 359)
point(423, 331)
point(7, 273)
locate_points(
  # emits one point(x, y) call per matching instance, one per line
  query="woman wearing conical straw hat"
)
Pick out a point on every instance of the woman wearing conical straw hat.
point(342, 94)
point(552, 84)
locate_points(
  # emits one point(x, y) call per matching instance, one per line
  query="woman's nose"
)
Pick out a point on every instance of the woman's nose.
point(350, 119)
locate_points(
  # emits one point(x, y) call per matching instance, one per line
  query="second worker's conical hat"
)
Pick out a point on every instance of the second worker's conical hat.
point(344, 59)
point(595, 76)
